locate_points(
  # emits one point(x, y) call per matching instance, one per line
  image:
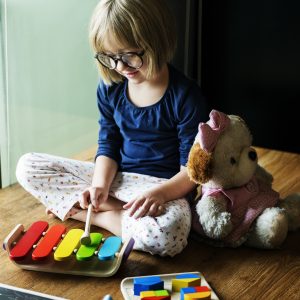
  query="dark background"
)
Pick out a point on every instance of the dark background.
point(246, 57)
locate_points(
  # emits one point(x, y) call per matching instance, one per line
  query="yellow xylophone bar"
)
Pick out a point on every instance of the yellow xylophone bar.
point(70, 242)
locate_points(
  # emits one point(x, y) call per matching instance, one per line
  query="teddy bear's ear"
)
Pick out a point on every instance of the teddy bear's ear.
point(199, 164)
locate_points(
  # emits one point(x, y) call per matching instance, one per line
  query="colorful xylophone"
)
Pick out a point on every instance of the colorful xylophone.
point(57, 250)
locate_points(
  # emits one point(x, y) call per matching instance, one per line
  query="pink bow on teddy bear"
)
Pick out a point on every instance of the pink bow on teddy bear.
point(209, 132)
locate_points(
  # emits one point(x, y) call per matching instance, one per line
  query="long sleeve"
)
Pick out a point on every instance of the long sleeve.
point(190, 113)
point(109, 139)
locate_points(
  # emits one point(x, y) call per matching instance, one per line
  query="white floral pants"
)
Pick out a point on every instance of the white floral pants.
point(58, 183)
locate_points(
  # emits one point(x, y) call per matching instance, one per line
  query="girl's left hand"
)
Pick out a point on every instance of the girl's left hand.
point(148, 204)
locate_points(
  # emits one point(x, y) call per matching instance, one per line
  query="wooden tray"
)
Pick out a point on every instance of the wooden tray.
point(127, 285)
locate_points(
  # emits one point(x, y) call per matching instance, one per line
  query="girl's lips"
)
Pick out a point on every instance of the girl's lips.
point(131, 74)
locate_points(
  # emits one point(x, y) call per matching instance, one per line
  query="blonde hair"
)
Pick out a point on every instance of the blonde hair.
point(141, 24)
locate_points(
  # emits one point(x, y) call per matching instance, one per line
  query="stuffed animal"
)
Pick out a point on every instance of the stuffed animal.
point(237, 203)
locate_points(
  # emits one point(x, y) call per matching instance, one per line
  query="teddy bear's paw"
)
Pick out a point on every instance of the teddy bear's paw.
point(291, 204)
point(217, 226)
point(269, 230)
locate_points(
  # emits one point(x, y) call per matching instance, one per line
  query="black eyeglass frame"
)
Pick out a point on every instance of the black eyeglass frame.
point(119, 57)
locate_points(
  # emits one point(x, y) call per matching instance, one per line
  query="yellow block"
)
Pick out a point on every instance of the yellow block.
point(145, 294)
point(198, 295)
point(177, 284)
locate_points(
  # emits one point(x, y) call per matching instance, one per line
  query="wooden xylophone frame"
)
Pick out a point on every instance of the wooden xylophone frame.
point(93, 267)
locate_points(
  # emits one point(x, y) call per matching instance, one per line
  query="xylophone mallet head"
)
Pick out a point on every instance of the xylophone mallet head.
point(85, 240)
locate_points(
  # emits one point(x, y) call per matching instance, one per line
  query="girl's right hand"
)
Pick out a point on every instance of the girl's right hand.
point(94, 195)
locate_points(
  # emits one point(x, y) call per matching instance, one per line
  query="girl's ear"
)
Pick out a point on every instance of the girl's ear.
point(199, 164)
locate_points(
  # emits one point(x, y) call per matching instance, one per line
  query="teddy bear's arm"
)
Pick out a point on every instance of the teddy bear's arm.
point(215, 220)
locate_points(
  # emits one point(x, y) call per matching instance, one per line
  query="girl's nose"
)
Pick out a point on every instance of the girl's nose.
point(120, 66)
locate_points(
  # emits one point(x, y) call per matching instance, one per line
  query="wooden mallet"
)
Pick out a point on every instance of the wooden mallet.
point(85, 238)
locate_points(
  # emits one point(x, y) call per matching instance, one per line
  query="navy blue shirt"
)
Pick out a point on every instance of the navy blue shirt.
point(153, 140)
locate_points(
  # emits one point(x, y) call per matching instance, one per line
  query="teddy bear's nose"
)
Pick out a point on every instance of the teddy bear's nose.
point(252, 155)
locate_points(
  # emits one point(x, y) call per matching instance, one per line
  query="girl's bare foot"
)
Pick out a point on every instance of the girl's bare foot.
point(50, 214)
point(110, 220)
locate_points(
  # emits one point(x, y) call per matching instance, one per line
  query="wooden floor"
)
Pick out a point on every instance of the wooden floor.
point(242, 273)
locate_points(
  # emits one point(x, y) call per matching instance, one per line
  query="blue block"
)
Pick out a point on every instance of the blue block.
point(150, 283)
point(187, 275)
point(187, 290)
point(141, 280)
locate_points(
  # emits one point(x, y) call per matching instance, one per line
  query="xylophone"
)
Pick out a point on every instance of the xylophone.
point(57, 250)
point(130, 286)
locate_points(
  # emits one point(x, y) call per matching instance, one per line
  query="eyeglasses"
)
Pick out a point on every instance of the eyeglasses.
point(132, 60)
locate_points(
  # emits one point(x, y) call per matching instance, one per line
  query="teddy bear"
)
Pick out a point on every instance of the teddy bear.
point(237, 204)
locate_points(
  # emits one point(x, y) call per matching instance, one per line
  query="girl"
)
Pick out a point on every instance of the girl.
point(149, 114)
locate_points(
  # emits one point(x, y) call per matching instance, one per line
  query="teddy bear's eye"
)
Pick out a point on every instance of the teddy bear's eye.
point(232, 160)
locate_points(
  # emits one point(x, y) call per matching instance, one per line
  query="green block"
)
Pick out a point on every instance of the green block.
point(162, 293)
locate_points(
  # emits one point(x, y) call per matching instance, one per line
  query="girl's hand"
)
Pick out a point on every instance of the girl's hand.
point(94, 195)
point(148, 204)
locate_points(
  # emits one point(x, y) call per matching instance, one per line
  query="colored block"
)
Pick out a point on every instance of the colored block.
point(68, 244)
point(109, 248)
point(155, 295)
point(157, 298)
point(145, 294)
point(185, 280)
point(187, 275)
point(31, 236)
point(161, 293)
point(184, 291)
point(196, 296)
point(86, 252)
point(50, 240)
point(198, 292)
point(146, 279)
point(202, 289)
point(150, 283)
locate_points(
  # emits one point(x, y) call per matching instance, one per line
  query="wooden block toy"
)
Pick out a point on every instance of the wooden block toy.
point(185, 280)
point(25, 244)
point(86, 252)
point(110, 247)
point(49, 241)
point(148, 283)
point(68, 244)
point(34, 250)
point(155, 295)
point(197, 292)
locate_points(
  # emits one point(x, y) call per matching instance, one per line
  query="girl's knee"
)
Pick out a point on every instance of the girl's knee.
point(174, 235)
point(165, 235)
point(23, 166)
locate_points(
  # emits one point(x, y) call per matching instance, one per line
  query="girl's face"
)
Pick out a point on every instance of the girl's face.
point(113, 48)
